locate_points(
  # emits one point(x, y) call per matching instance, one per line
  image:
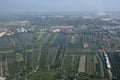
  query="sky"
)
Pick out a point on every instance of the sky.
point(46, 6)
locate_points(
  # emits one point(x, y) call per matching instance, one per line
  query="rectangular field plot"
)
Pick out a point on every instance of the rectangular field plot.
point(73, 40)
point(43, 56)
point(85, 45)
point(95, 64)
point(115, 63)
point(61, 40)
point(52, 53)
point(68, 39)
point(14, 68)
point(68, 50)
point(27, 37)
point(75, 46)
point(45, 38)
point(89, 66)
point(54, 37)
point(82, 64)
point(35, 56)
point(67, 63)
point(28, 60)
point(75, 63)
point(100, 66)
point(78, 50)
point(5, 43)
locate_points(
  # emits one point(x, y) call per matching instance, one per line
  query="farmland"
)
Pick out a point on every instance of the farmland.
point(71, 53)
point(54, 52)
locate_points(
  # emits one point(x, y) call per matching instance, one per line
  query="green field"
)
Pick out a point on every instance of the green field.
point(43, 55)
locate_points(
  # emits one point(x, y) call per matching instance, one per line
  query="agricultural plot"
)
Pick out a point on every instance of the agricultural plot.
point(43, 76)
point(75, 62)
point(71, 53)
point(73, 40)
point(6, 51)
point(50, 38)
point(89, 41)
point(59, 52)
point(89, 65)
point(59, 56)
point(13, 60)
point(68, 39)
point(67, 63)
point(100, 65)
point(45, 39)
point(61, 40)
point(78, 51)
point(115, 64)
point(13, 72)
point(69, 50)
point(43, 56)
point(19, 57)
point(93, 45)
point(82, 64)
point(5, 43)
point(27, 37)
point(52, 53)
point(35, 56)
point(17, 42)
point(74, 46)
point(55, 36)
point(28, 60)
point(85, 45)
point(39, 36)
point(95, 61)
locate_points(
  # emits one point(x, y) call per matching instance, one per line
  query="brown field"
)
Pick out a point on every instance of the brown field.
point(73, 40)
point(8, 51)
point(82, 65)
point(85, 45)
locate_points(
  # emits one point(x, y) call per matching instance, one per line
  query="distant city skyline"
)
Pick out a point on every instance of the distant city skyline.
point(46, 6)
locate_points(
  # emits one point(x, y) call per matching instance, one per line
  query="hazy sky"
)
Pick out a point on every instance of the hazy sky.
point(40, 6)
